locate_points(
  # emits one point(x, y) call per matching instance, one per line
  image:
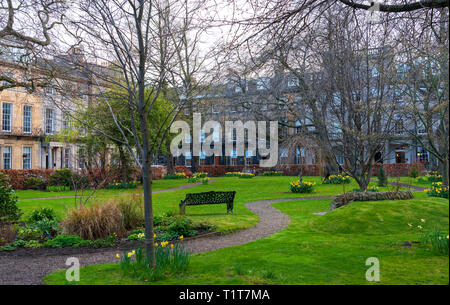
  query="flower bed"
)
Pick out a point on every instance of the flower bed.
point(437, 190)
point(301, 187)
point(337, 179)
point(123, 185)
point(272, 173)
point(175, 176)
point(240, 175)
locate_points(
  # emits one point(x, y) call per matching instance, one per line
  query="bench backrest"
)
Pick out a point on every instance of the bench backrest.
point(209, 198)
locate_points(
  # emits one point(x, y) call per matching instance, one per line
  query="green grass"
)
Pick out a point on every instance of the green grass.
point(257, 188)
point(328, 249)
point(157, 185)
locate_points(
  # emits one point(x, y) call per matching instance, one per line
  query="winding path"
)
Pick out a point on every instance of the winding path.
point(20, 267)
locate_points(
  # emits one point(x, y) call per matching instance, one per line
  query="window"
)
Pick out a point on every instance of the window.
point(66, 121)
point(27, 158)
point(7, 157)
point(27, 119)
point(81, 157)
point(214, 109)
point(67, 158)
point(234, 154)
point(262, 83)
point(422, 155)
point(49, 90)
point(249, 153)
point(7, 113)
point(49, 121)
point(188, 158)
point(187, 138)
point(284, 153)
point(202, 136)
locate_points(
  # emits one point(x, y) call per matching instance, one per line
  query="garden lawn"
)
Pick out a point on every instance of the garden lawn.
point(328, 249)
point(258, 188)
point(157, 185)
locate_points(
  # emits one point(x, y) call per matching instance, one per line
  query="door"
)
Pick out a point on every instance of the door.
point(400, 157)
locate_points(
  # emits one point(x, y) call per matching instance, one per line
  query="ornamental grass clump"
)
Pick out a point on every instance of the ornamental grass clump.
point(301, 187)
point(94, 222)
point(337, 179)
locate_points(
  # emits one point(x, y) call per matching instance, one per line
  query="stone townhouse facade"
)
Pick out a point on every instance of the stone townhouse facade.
point(31, 121)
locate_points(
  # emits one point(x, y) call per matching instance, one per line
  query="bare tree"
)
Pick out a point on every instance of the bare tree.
point(25, 36)
point(136, 57)
point(424, 85)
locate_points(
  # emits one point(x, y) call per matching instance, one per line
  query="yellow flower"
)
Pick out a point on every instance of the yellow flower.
point(422, 220)
point(181, 237)
point(409, 224)
point(420, 227)
point(117, 255)
point(156, 244)
point(171, 245)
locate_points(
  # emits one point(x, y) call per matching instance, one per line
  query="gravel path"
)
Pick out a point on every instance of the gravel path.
point(182, 187)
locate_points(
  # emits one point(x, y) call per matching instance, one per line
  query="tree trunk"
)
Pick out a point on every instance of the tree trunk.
point(170, 166)
point(148, 210)
point(445, 173)
point(123, 165)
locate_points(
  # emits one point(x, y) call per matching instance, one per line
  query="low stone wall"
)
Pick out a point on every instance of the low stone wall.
point(347, 198)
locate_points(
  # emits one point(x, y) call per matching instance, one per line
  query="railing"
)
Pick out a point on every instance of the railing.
point(19, 131)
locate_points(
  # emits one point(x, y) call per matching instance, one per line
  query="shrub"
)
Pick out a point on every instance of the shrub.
point(175, 176)
point(48, 228)
point(61, 177)
point(28, 233)
point(337, 179)
point(413, 172)
point(301, 187)
point(272, 173)
point(205, 180)
point(80, 181)
point(132, 213)
point(64, 240)
point(40, 214)
point(123, 185)
point(55, 188)
point(94, 222)
point(382, 179)
point(8, 200)
point(34, 183)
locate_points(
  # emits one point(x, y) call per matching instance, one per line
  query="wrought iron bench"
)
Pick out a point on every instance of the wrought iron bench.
point(208, 198)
